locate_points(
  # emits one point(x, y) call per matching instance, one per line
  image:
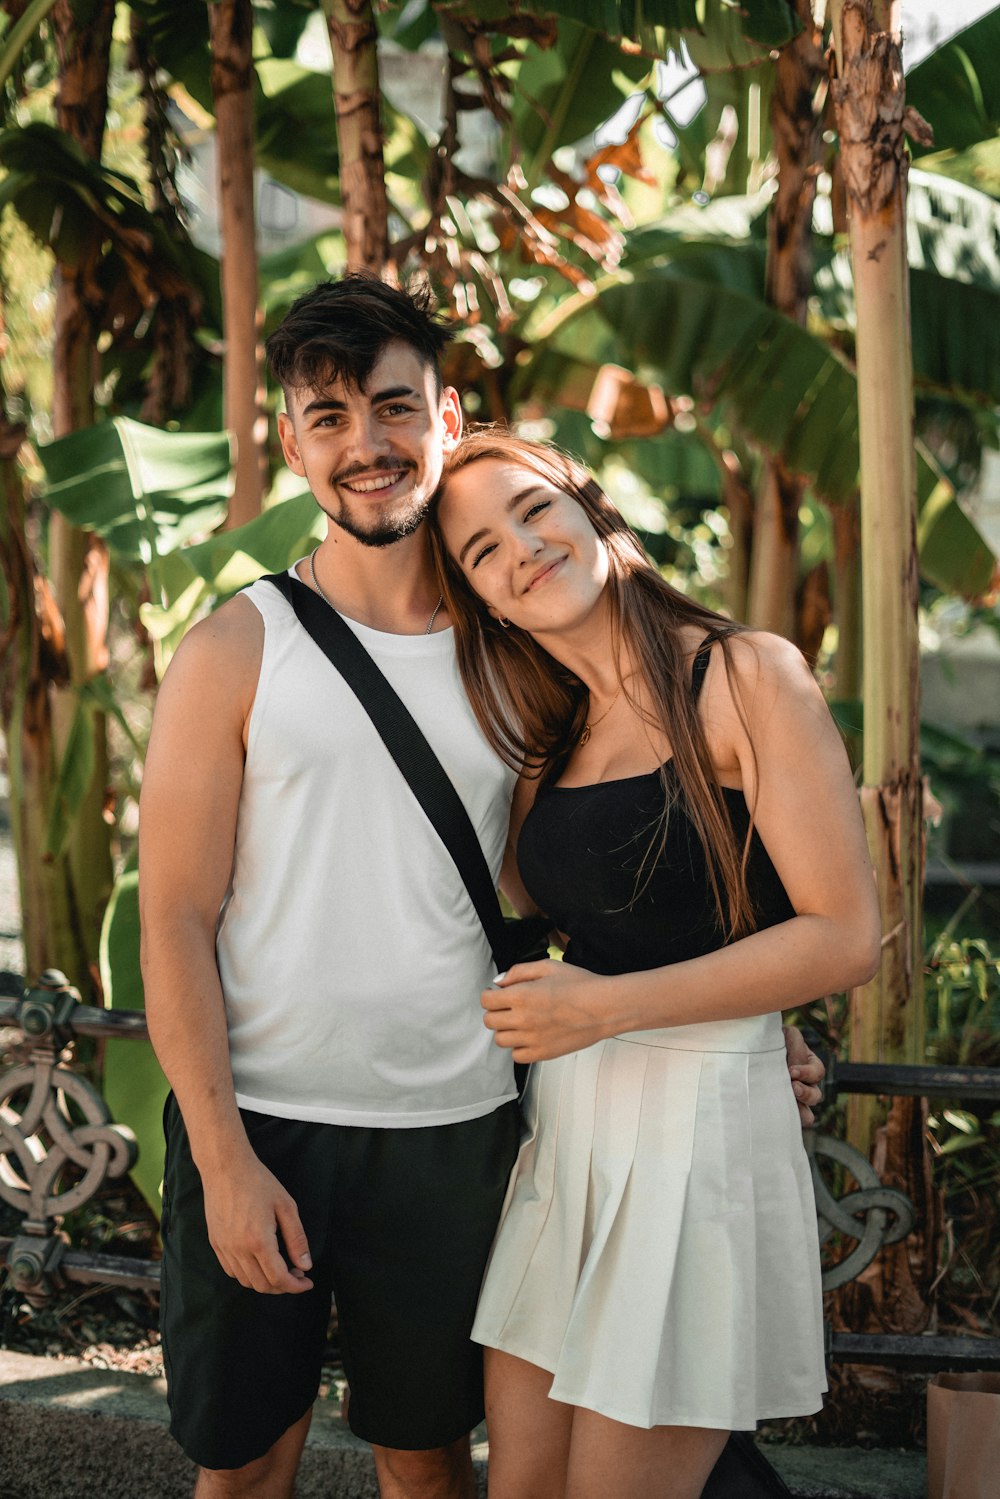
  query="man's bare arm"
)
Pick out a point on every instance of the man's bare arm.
point(190, 797)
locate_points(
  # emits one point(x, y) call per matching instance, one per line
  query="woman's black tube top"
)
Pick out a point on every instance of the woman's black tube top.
point(583, 855)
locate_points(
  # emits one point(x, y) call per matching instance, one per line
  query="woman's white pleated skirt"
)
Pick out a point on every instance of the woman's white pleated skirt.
point(658, 1249)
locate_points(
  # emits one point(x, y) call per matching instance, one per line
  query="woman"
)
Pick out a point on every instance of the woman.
point(695, 834)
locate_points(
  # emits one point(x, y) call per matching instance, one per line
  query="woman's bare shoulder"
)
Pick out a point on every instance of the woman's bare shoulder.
point(763, 665)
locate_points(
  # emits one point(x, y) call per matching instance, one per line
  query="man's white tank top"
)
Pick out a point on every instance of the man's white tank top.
point(351, 955)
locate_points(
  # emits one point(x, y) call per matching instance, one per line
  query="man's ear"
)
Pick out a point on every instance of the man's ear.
point(289, 444)
point(451, 417)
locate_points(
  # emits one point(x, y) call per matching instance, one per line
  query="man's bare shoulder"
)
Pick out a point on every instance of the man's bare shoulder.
point(232, 637)
point(219, 658)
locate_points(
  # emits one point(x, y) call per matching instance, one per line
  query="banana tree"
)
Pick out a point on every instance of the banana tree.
point(231, 28)
point(887, 1015)
point(796, 115)
point(869, 97)
point(32, 656)
point(78, 562)
point(125, 269)
point(357, 101)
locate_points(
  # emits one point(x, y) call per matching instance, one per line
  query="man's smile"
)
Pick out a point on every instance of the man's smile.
point(371, 486)
point(374, 483)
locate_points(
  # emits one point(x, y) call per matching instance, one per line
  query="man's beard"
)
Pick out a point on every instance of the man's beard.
point(383, 533)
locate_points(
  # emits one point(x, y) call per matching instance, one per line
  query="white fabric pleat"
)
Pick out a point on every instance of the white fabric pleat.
point(658, 1249)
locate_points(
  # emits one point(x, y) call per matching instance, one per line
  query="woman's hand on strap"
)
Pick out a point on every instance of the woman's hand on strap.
point(546, 1009)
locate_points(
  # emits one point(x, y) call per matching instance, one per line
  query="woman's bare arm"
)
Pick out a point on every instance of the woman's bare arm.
point(808, 817)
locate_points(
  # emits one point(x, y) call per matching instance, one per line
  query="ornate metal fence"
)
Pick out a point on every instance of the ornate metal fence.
point(58, 1144)
point(874, 1215)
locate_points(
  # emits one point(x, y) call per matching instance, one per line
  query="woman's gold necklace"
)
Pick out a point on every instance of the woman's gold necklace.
point(315, 583)
point(591, 724)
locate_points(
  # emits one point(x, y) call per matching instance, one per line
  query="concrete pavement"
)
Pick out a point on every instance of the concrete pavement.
point(68, 1430)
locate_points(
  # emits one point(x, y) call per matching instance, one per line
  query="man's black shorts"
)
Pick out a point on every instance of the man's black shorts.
point(399, 1224)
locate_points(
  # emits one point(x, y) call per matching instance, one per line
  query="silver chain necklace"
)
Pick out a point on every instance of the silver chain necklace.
point(315, 583)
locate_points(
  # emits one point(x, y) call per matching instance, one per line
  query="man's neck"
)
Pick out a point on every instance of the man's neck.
point(391, 588)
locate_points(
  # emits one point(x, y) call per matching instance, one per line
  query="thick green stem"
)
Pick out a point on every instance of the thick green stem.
point(23, 28)
point(535, 170)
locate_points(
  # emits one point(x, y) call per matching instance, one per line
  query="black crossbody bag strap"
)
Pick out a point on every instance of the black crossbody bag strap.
point(420, 767)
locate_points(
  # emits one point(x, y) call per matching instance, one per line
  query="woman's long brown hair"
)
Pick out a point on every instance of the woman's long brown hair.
point(533, 710)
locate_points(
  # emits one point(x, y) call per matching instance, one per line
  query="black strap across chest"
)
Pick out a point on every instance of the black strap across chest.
point(419, 765)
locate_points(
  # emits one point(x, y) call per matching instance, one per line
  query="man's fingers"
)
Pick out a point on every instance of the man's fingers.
point(294, 1236)
point(258, 1265)
point(272, 1277)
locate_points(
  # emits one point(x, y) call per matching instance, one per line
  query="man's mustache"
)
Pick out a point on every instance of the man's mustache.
point(381, 465)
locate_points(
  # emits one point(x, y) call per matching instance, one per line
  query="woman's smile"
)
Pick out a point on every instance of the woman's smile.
point(545, 574)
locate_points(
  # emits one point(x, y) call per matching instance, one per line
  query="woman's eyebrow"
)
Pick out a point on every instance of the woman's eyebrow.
point(515, 500)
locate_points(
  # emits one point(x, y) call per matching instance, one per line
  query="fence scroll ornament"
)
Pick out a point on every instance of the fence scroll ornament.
point(871, 1216)
point(57, 1140)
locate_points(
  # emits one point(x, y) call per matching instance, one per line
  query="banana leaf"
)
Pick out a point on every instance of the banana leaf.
point(145, 491)
point(736, 34)
point(957, 88)
point(565, 92)
point(192, 576)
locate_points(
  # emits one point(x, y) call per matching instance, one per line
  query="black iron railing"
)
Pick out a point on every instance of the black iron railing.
point(58, 1145)
point(884, 1215)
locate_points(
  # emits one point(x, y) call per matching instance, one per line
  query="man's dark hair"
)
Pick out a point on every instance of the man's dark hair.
point(338, 330)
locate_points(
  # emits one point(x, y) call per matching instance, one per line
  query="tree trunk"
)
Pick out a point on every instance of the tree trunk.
point(30, 653)
point(796, 112)
point(737, 497)
point(887, 1015)
point(168, 388)
point(356, 96)
point(847, 611)
point(78, 560)
point(774, 555)
point(231, 24)
point(869, 100)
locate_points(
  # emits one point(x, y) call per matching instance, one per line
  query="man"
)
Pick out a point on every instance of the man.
point(341, 1119)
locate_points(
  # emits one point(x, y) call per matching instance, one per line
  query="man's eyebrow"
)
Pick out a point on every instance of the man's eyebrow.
point(515, 499)
point(394, 392)
point(332, 403)
point(323, 403)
